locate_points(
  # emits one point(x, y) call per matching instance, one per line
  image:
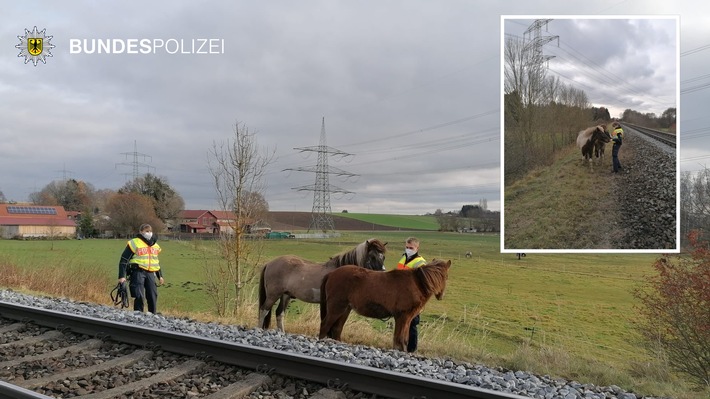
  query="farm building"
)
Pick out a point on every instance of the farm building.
point(215, 222)
point(27, 221)
point(197, 221)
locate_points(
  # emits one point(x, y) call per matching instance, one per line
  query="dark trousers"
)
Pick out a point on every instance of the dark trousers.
point(413, 334)
point(615, 157)
point(143, 288)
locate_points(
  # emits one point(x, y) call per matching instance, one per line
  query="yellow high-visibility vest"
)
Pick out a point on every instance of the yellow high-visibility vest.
point(416, 262)
point(145, 256)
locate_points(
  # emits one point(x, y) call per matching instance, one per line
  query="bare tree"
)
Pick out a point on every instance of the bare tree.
point(237, 167)
point(694, 201)
point(52, 232)
point(542, 115)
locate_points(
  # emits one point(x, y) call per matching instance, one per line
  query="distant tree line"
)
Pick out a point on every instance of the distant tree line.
point(651, 120)
point(147, 199)
point(471, 218)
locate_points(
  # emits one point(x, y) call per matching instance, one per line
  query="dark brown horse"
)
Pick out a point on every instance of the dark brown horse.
point(600, 145)
point(290, 276)
point(401, 294)
point(588, 138)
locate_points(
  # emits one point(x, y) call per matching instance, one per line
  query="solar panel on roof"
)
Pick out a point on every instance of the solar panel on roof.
point(31, 210)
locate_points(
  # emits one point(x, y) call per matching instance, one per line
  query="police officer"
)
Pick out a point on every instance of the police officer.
point(616, 137)
point(139, 262)
point(410, 260)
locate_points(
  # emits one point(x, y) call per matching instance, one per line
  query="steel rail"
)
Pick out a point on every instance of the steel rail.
point(327, 372)
point(15, 392)
point(666, 138)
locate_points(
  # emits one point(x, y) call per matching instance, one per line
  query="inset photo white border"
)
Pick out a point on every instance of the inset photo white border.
point(620, 62)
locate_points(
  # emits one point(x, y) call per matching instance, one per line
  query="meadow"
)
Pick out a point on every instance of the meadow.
point(568, 315)
point(412, 222)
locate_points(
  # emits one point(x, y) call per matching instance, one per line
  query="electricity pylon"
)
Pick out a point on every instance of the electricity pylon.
point(535, 41)
point(321, 219)
point(136, 164)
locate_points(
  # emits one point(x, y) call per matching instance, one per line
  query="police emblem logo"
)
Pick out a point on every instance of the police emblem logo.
point(35, 46)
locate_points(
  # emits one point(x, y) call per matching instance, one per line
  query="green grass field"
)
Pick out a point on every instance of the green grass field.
point(414, 222)
point(495, 308)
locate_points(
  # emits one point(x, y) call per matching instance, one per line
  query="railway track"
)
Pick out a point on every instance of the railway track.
point(665, 138)
point(45, 353)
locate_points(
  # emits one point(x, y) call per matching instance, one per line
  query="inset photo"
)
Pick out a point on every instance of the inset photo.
point(589, 134)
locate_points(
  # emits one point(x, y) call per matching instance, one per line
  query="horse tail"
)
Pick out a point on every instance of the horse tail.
point(262, 299)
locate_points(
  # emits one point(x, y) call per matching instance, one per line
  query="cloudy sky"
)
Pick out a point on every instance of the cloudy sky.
point(621, 62)
point(410, 88)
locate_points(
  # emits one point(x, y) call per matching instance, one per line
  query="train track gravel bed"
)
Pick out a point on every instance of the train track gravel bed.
point(212, 378)
point(646, 192)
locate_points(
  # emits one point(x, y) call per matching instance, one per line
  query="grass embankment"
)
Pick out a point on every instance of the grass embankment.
point(579, 305)
point(568, 205)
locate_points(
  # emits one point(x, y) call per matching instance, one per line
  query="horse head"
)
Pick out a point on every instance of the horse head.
point(601, 134)
point(375, 254)
point(443, 267)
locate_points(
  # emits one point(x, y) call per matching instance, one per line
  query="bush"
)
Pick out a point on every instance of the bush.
point(675, 306)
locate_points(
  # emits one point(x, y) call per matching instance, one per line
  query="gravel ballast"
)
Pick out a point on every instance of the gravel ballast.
point(517, 382)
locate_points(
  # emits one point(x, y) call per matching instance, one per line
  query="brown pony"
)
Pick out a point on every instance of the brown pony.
point(290, 276)
point(401, 294)
point(588, 138)
point(600, 145)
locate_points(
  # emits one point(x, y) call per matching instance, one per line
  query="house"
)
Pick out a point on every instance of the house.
point(25, 221)
point(215, 222)
point(197, 221)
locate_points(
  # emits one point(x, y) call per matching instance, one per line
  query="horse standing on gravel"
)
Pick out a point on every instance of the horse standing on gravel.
point(290, 276)
point(401, 294)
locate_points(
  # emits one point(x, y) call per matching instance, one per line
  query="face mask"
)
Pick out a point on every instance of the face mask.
point(148, 235)
point(409, 252)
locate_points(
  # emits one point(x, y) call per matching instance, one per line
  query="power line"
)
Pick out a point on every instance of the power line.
point(695, 50)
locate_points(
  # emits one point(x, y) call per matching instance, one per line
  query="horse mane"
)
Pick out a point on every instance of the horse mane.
point(355, 256)
point(585, 135)
point(432, 276)
point(350, 257)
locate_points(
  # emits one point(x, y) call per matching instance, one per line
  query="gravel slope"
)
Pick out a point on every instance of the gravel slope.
point(646, 193)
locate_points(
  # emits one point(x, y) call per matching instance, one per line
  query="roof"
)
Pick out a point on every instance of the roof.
point(192, 213)
point(195, 226)
point(32, 211)
point(224, 215)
